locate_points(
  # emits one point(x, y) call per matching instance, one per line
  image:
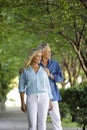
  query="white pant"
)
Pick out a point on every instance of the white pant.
point(55, 116)
point(37, 109)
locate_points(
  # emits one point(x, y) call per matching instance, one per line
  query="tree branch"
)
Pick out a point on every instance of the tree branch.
point(81, 35)
point(51, 19)
point(84, 2)
point(76, 33)
point(73, 43)
point(76, 49)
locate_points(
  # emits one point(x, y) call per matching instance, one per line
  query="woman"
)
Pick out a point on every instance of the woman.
point(35, 83)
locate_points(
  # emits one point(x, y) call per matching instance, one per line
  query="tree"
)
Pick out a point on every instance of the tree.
point(79, 42)
point(25, 24)
point(79, 46)
point(71, 70)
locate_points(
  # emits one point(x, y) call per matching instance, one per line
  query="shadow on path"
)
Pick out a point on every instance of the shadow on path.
point(14, 119)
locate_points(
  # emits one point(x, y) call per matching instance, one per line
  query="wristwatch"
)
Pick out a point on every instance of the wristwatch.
point(51, 76)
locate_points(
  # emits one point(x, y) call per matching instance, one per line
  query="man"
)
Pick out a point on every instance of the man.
point(55, 75)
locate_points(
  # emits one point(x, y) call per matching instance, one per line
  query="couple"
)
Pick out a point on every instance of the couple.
point(38, 81)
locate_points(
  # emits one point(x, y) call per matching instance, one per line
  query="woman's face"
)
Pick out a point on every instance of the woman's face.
point(37, 57)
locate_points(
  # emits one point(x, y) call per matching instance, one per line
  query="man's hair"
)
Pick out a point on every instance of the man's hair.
point(42, 46)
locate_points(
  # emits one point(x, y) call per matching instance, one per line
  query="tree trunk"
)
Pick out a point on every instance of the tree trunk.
point(83, 128)
point(77, 47)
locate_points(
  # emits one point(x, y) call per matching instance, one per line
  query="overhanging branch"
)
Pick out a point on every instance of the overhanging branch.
point(72, 42)
point(84, 2)
point(51, 19)
point(81, 35)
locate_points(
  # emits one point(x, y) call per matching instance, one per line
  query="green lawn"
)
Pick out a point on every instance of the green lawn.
point(65, 122)
point(73, 125)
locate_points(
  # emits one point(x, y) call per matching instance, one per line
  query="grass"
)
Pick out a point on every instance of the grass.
point(73, 125)
point(66, 122)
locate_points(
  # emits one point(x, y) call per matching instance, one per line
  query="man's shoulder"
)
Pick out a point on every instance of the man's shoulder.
point(53, 61)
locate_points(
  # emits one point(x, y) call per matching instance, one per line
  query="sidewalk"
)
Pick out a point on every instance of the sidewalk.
point(14, 119)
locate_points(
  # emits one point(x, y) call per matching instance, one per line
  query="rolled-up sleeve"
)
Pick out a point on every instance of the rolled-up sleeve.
point(49, 88)
point(58, 77)
point(22, 84)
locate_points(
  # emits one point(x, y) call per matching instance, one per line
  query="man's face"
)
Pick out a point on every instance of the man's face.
point(46, 53)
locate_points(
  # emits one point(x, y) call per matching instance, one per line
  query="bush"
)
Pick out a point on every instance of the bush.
point(75, 99)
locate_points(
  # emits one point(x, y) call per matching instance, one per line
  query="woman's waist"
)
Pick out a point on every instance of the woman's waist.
point(35, 92)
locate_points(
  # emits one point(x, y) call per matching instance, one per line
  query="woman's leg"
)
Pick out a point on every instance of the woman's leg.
point(43, 104)
point(32, 106)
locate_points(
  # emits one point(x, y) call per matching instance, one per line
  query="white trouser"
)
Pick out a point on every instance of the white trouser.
point(37, 109)
point(55, 116)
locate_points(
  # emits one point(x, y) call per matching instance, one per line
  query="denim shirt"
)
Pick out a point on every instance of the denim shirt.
point(32, 82)
point(55, 70)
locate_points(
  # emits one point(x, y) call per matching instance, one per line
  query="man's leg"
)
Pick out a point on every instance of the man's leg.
point(55, 116)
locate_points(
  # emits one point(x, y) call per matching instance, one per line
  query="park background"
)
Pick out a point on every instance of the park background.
point(25, 24)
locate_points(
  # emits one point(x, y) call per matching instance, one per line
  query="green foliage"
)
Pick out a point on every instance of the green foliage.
point(4, 82)
point(24, 24)
point(68, 124)
point(76, 99)
point(64, 110)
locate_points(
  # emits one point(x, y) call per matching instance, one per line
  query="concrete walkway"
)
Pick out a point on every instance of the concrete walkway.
point(14, 119)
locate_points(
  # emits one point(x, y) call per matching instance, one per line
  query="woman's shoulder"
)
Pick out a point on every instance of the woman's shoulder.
point(28, 69)
point(42, 69)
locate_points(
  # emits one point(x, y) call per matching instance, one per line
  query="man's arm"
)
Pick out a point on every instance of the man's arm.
point(58, 76)
point(49, 74)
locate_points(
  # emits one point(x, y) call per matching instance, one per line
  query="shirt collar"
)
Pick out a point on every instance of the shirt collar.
point(49, 61)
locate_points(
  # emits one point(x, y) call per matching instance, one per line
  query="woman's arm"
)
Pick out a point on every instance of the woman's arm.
point(23, 105)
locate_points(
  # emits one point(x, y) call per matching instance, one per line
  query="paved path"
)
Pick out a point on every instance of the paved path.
point(14, 119)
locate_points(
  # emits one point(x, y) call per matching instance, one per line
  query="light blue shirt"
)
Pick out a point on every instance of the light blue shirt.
point(32, 82)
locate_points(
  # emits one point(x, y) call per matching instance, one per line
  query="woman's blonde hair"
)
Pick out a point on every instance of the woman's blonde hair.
point(30, 57)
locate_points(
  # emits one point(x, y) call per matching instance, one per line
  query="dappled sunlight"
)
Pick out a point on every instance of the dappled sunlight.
point(13, 98)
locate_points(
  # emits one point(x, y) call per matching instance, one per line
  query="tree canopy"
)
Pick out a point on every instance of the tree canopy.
point(24, 24)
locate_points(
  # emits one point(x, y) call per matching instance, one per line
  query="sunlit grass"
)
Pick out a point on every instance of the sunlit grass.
point(65, 122)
